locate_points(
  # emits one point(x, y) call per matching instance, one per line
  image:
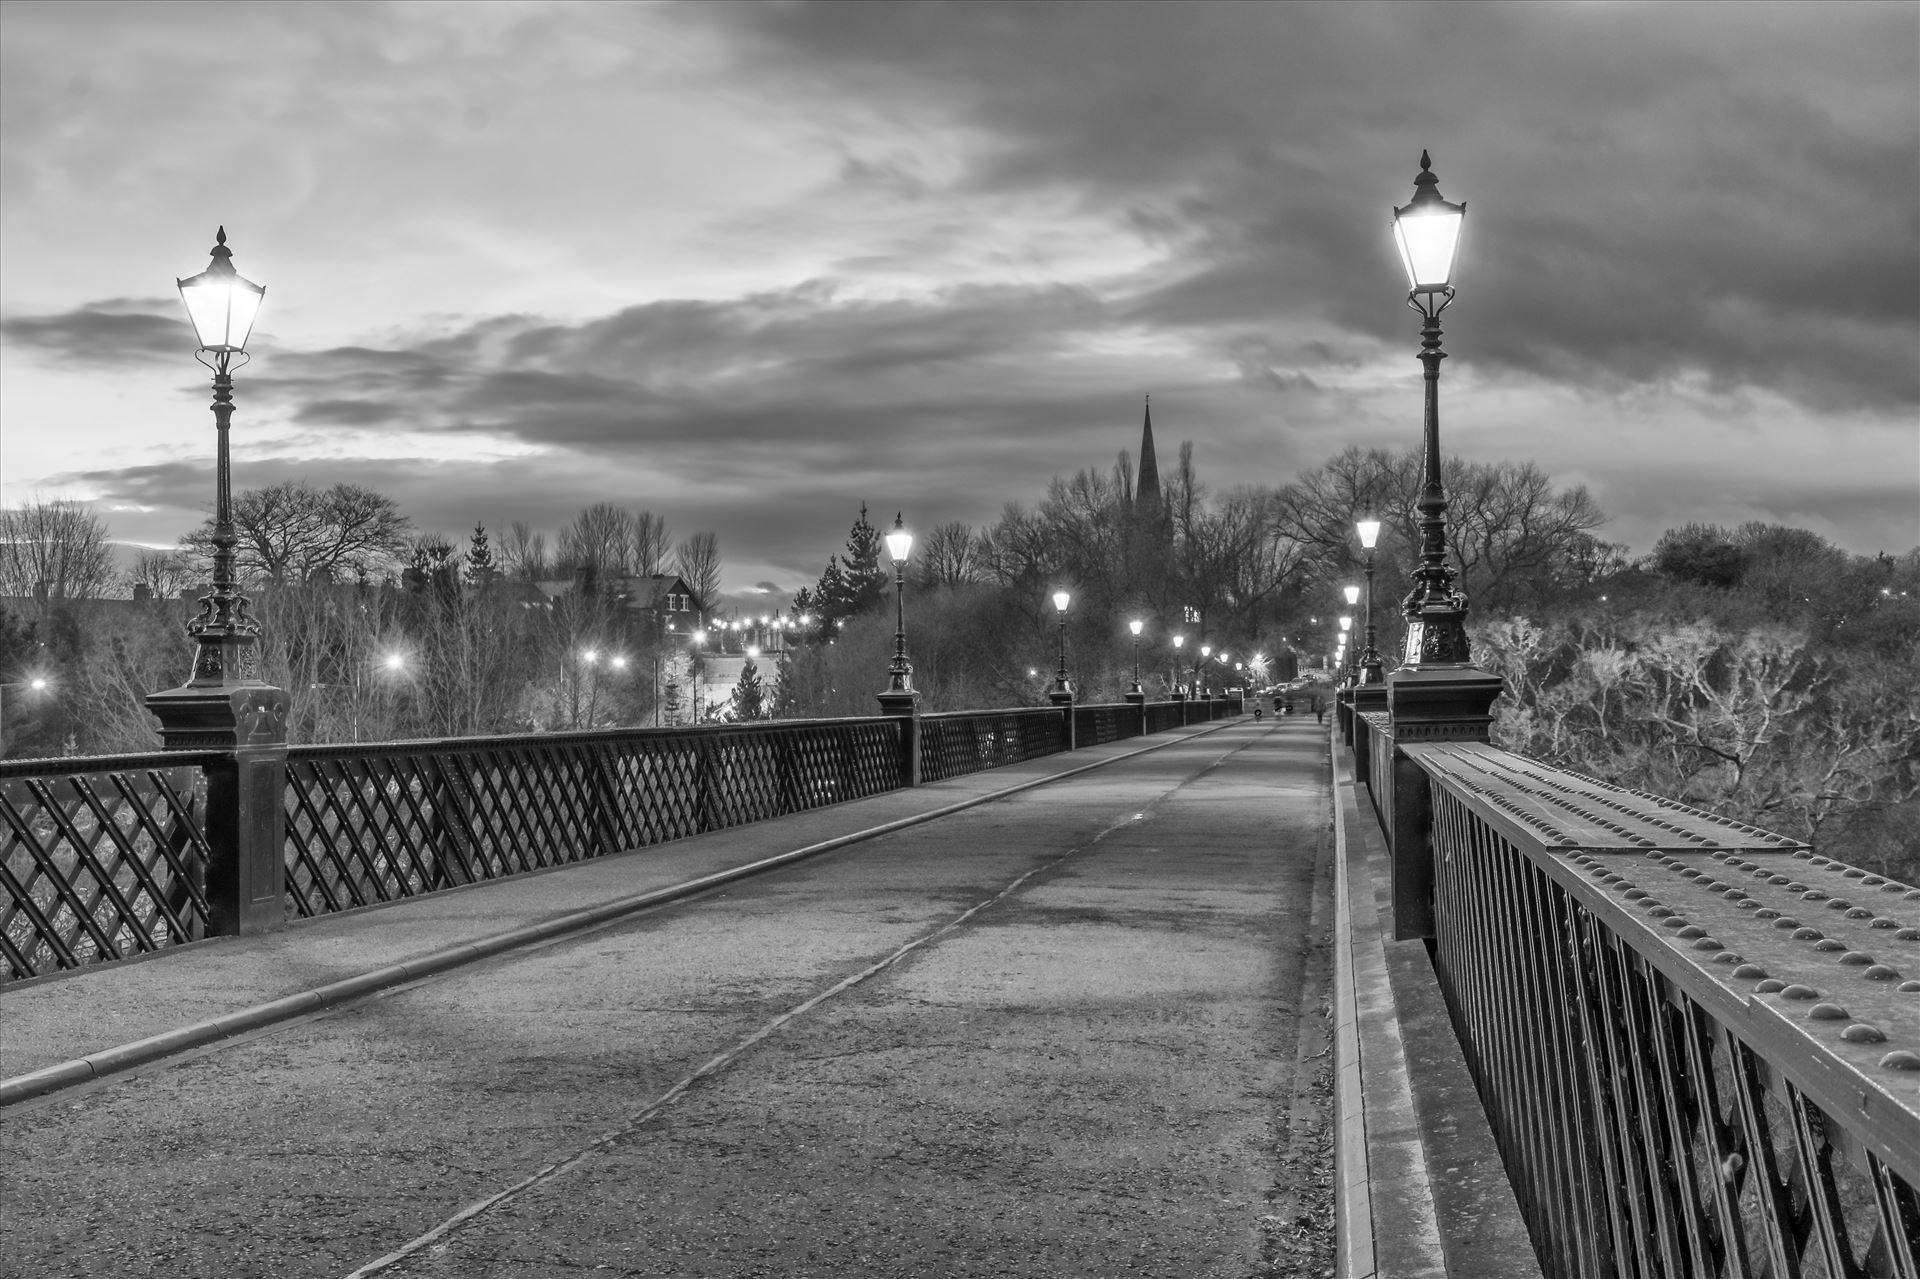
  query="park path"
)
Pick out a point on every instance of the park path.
point(1076, 1031)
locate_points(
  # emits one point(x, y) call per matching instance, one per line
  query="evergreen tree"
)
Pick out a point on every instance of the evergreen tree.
point(481, 571)
point(866, 580)
point(750, 695)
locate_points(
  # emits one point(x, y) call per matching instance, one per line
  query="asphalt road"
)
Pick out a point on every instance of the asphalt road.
point(1059, 1034)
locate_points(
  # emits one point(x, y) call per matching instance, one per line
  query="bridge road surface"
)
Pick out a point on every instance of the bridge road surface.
point(1058, 1034)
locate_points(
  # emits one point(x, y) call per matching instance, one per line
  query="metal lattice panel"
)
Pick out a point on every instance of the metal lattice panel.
point(1685, 1076)
point(378, 823)
point(953, 745)
point(101, 859)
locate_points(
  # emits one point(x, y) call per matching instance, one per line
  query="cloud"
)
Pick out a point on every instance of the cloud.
point(114, 332)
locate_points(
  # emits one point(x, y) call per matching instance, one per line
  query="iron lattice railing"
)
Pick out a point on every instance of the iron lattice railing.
point(102, 858)
point(1696, 1041)
point(378, 823)
point(953, 744)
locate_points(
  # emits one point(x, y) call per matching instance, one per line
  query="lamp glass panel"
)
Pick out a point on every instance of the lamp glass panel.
point(1352, 594)
point(899, 542)
point(221, 307)
point(1369, 532)
point(1061, 599)
point(1428, 239)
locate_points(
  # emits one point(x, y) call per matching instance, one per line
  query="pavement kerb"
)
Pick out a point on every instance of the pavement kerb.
point(140, 1052)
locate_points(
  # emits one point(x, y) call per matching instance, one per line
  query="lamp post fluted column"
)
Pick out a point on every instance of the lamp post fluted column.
point(1061, 694)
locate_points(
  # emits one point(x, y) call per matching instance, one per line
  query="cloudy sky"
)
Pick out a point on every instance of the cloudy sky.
point(750, 265)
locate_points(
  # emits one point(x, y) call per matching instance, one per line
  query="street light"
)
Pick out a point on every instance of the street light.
point(1062, 692)
point(899, 696)
point(1346, 625)
point(1427, 231)
point(1136, 626)
point(1206, 651)
point(1179, 693)
point(222, 306)
point(1369, 529)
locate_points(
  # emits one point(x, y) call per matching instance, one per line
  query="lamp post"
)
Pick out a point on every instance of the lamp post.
point(221, 305)
point(1206, 651)
point(899, 697)
point(698, 677)
point(1179, 693)
point(1136, 626)
point(34, 684)
point(1427, 231)
point(1346, 627)
point(1062, 692)
point(1369, 530)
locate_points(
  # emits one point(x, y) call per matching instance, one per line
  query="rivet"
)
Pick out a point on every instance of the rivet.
point(1704, 943)
point(1873, 881)
point(1795, 886)
point(1802, 852)
point(1862, 1033)
point(1839, 903)
point(1693, 930)
point(1908, 986)
point(1786, 921)
point(1747, 903)
point(1766, 912)
point(1770, 986)
point(1749, 971)
point(1880, 972)
point(1778, 879)
point(1900, 1059)
point(1908, 934)
point(1859, 912)
point(1913, 894)
point(1854, 872)
point(1660, 912)
point(1827, 1012)
point(1881, 921)
point(1892, 887)
point(1854, 959)
point(1797, 991)
point(1807, 934)
point(1813, 895)
point(1829, 945)
point(1726, 957)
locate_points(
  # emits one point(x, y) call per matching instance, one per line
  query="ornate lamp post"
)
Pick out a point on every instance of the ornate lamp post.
point(1427, 231)
point(1206, 651)
point(1062, 692)
point(1136, 626)
point(1369, 529)
point(899, 697)
point(224, 701)
point(1179, 693)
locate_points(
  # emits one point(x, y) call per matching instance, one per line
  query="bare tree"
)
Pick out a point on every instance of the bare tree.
point(523, 553)
point(697, 561)
point(599, 541)
point(951, 556)
point(292, 532)
point(651, 544)
point(164, 574)
point(54, 550)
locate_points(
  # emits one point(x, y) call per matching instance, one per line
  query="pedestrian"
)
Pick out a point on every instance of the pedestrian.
point(1319, 711)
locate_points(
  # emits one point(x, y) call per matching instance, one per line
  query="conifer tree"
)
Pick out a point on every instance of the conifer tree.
point(480, 568)
point(750, 695)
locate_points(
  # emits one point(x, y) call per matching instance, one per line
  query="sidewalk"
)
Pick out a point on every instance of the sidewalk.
point(67, 1029)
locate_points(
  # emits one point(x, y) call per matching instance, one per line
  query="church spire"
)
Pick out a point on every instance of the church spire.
point(1148, 487)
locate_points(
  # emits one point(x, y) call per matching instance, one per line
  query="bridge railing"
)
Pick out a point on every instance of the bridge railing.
point(104, 858)
point(1697, 1043)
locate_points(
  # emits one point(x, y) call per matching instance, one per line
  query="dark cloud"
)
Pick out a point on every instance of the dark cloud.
point(1653, 191)
point(119, 331)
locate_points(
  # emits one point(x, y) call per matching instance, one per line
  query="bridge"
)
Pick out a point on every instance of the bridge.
point(1016, 992)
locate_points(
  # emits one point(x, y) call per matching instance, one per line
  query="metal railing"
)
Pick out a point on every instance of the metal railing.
point(102, 857)
point(108, 857)
point(1697, 1043)
point(378, 823)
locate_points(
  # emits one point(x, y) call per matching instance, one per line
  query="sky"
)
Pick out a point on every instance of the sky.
point(749, 266)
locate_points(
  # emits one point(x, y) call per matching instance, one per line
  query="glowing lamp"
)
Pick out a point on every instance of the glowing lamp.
point(221, 304)
point(1369, 531)
point(1427, 232)
point(899, 541)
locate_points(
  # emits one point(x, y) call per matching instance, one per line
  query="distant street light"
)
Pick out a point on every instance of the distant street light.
point(1427, 231)
point(1370, 672)
point(1179, 693)
point(34, 684)
point(899, 697)
point(1136, 626)
point(1062, 692)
